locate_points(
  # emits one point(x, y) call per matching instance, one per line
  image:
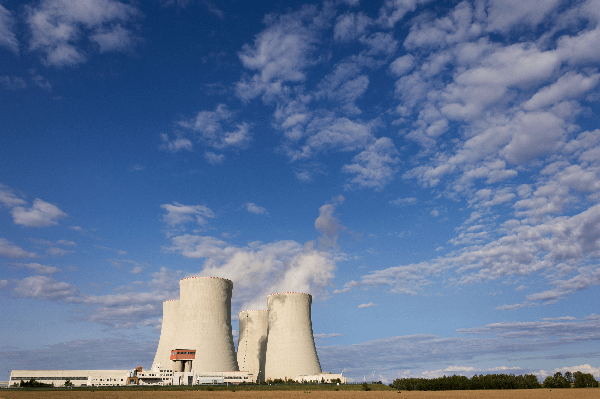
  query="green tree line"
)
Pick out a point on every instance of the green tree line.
point(575, 380)
point(495, 381)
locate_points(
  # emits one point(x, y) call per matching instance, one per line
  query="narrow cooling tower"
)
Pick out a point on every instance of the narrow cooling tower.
point(167, 334)
point(291, 348)
point(205, 323)
point(252, 342)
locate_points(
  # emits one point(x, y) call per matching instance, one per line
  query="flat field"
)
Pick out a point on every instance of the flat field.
point(255, 394)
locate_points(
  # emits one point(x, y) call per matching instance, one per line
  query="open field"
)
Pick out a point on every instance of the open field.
point(255, 394)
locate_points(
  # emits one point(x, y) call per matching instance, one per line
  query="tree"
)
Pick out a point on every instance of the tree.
point(68, 383)
point(569, 377)
point(560, 381)
point(584, 380)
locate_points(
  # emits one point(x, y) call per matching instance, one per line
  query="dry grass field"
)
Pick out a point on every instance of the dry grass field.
point(504, 394)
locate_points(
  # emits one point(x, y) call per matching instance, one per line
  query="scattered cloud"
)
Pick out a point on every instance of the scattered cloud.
point(253, 208)
point(41, 214)
point(330, 335)
point(118, 251)
point(366, 305)
point(404, 201)
point(38, 268)
point(180, 214)
point(8, 39)
point(45, 288)
point(12, 251)
point(214, 159)
point(115, 353)
point(62, 30)
point(472, 345)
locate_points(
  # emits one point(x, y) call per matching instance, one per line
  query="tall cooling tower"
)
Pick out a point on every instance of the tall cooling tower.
point(290, 347)
point(205, 323)
point(167, 335)
point(252, 342)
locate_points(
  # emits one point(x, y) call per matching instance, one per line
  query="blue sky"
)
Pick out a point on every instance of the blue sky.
point(428, 171)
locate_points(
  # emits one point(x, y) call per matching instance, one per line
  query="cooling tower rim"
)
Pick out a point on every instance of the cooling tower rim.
point(253, 310)
point(203, 277)
point(283, 293)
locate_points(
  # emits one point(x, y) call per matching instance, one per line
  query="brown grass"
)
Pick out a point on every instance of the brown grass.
point(503, 394)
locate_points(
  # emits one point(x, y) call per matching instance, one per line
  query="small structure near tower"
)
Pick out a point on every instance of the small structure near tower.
point(182, 359)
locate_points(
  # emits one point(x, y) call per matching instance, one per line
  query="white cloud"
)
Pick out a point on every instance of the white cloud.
point(13, 83)
point(366, 305)
point(374, 167)
point(403, 279)
point(330, 335)
point(253, 208)
point(41, 214)
point(180, 214)
point(402, 65)
point(281, 52)
point(119, 251)
point(456, 27)
point(10, 250)
point(393, 11)
point(207, 128)
point(8, 198)
point(175, 145)
point(568, 86)
point(350, 26)
point(59, 28)
point(137, 269)
point(115, 38)
point(331, 133)
point(214, 159)
point(96, 354)
point(425, 352)
point(8, 39)
point(58, 251)
point(327, 224)
point(404, 201)
point(504, 15)
point(38, 268)
point(45, 288)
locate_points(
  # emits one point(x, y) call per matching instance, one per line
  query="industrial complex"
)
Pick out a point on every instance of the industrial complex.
point(196, 343)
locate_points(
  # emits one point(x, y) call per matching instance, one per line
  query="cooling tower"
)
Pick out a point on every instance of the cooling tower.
point(291, 348)
point(252, 342)
point(167, 334)
point(205, 323)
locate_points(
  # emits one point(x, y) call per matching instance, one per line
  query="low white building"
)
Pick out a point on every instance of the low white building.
point(78, 378)
point(321, 377)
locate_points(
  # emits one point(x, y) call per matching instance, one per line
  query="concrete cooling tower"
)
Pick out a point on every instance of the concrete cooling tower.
point(291, 348)
point(167, 335)
point(252, 342)
point(204, 323)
